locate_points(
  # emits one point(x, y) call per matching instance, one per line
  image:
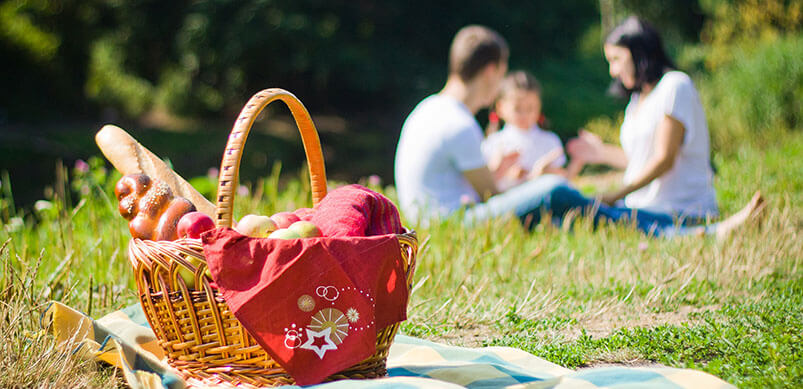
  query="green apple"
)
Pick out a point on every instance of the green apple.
point(284, 233)
point(255, 226)
point(305, 229)
point(186, 274)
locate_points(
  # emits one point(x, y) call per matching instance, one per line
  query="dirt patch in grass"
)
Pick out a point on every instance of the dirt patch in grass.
point(472, 335)
point(633, 363)
point(600, 326)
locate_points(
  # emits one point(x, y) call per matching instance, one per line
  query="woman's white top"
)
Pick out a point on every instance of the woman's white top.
point(687, 188)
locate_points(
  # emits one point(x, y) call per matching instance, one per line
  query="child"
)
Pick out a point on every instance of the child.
point(539, 151)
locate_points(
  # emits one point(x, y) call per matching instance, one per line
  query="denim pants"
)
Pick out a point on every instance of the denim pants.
point(552, 194)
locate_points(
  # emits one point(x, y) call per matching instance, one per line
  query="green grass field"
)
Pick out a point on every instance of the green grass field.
point(579, 298)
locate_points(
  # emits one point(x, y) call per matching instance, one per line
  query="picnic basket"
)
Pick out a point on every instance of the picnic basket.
point(201, 337)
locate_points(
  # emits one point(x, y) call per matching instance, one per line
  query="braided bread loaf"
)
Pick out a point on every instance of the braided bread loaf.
point(150, 207)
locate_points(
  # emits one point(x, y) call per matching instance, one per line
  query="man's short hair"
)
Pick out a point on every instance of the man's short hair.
point(473, 48)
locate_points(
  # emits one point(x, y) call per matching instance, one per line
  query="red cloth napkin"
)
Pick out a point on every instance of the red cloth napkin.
point(310, 303)
point(355, 210)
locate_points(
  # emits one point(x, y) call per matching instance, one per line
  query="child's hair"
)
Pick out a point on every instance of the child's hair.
point(646, 48)
point(473, 48)
point(519, 80)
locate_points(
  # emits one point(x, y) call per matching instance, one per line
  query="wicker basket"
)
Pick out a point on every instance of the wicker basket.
point(201, 337)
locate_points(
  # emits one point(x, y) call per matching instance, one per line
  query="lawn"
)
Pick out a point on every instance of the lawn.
point(579, 298)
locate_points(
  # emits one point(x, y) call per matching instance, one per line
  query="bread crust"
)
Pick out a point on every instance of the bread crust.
point(150, 207)
point(129, 157)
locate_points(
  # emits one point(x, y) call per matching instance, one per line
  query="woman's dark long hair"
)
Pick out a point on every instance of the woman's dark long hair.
point(649, 57)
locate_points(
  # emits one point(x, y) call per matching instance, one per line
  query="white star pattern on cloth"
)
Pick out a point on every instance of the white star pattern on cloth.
point(320, 350)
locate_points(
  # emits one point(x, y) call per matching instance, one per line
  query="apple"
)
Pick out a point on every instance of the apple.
point(284, 233)
point(193, 224)
point(284, 219)
point(305, 229)
point(302, 213)
point(187, 275)
point(256, 226)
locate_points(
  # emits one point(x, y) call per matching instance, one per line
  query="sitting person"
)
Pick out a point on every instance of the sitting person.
point(440, 168)
point(539, 151)
point(665, 145)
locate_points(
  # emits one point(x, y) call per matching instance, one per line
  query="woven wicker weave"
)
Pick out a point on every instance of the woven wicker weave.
point(200, 335)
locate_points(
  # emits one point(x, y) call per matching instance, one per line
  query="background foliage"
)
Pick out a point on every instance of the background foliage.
point(203, 57)
point(155, 66)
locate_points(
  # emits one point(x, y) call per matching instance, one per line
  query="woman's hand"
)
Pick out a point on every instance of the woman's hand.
point(610, 198)
point(587, 147)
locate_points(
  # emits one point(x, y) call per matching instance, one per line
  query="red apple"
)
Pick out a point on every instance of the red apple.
point(303, 213)
point(284, 219)
point(305, 229)
point(193, 224)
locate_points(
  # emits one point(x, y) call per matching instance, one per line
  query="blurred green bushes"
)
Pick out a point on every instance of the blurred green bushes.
point(751, 78)
point(201, 58)
point(757, 95)
point(366, 62)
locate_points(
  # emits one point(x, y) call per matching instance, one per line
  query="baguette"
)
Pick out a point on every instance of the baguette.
point(129, 157)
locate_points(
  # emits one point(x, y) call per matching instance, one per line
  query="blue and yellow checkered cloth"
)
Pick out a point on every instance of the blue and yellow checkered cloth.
point(124, 339)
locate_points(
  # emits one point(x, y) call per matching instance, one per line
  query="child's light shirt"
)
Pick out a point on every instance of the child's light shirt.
point(531, 144)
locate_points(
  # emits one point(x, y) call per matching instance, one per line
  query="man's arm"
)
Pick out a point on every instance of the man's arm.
point(483, 182)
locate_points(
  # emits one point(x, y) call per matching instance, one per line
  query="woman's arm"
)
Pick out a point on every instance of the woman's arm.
point(589, 148)
point(666, 145)
point(573, 168)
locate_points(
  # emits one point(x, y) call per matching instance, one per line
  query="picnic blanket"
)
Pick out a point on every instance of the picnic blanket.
point(124, 339)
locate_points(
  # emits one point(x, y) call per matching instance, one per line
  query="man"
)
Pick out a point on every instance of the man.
point(439, 164)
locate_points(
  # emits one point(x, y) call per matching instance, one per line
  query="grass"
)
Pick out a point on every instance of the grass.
point(26, 348)
point(578, 298)
point(752, 344)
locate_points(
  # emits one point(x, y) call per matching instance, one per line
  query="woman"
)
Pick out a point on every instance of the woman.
point(665, 149)
point(665, 143)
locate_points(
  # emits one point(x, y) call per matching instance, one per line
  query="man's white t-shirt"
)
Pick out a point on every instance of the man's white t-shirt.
point(687, 188)
point(439, 140)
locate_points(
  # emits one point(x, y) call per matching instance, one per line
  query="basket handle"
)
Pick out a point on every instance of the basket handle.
point(230, 165)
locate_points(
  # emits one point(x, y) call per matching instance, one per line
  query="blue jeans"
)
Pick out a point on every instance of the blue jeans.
point(552, 194)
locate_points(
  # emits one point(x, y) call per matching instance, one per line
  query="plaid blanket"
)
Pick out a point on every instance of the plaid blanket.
point(124, 339)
